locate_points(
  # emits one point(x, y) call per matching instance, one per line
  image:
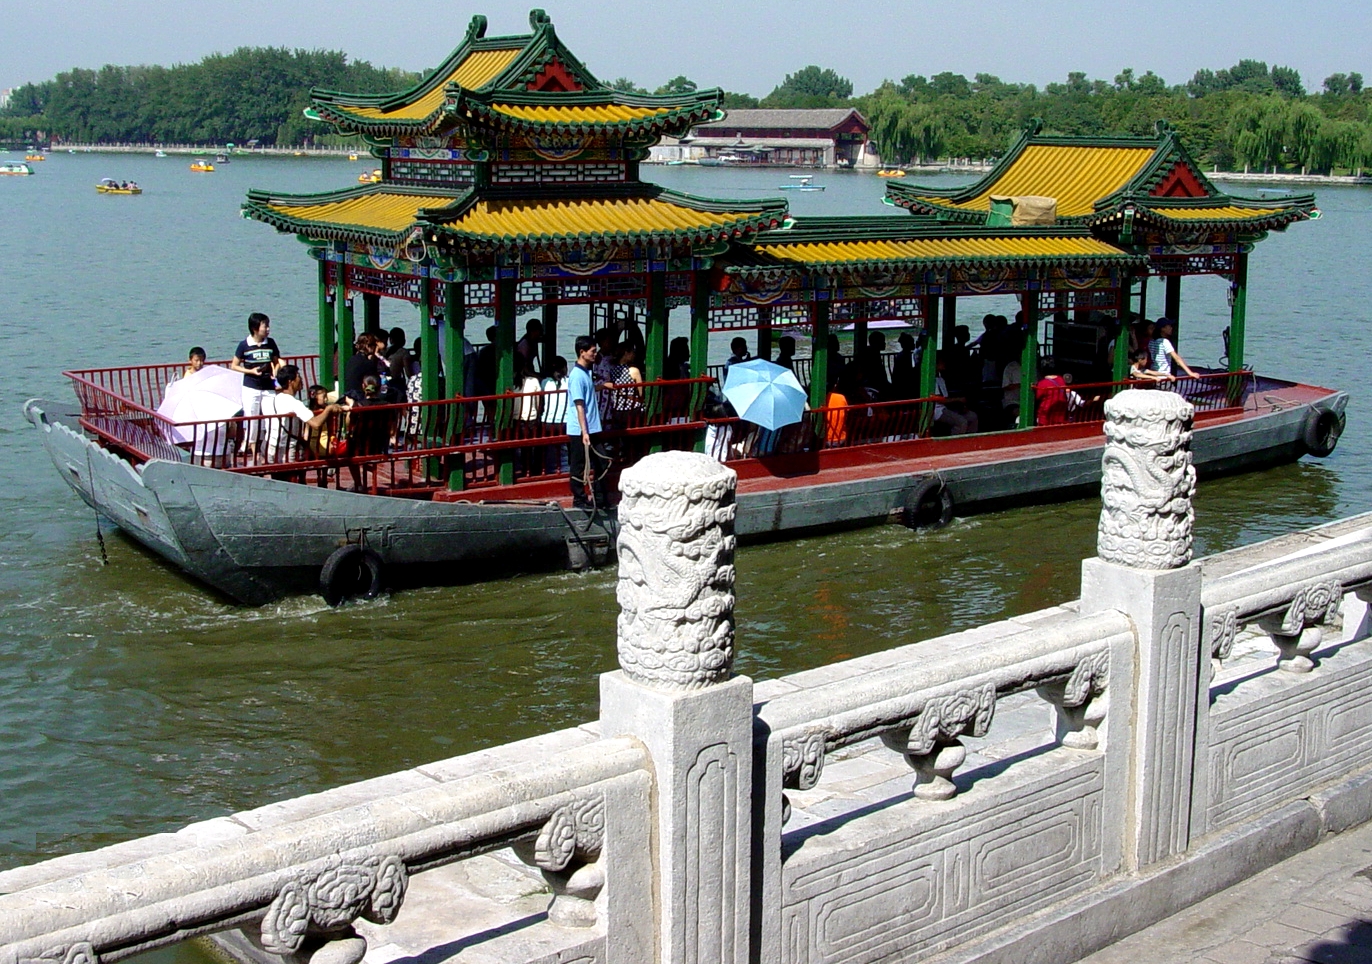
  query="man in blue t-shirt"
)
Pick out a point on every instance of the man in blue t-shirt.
point(583, 429)
point(257, 358)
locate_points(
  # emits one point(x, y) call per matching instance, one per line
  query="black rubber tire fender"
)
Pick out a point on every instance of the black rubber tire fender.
point(351, 572)
point(1321, 431)
point(929, 505)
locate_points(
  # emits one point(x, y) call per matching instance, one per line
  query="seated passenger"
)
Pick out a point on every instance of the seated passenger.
point(287, 432)
point(957, 423)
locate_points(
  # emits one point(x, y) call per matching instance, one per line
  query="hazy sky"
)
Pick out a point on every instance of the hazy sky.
point(743, 45)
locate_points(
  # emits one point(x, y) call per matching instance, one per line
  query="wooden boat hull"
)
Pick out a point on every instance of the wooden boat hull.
point(193, 516)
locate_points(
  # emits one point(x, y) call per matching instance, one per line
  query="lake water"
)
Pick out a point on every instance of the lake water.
point(133, 701)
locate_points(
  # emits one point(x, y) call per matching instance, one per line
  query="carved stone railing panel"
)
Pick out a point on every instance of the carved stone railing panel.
point(298, 887)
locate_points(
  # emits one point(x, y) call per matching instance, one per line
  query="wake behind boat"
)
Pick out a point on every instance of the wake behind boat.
point(439, 485)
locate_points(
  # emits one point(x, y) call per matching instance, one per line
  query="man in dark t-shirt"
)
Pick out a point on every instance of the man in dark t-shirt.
point(257, 358)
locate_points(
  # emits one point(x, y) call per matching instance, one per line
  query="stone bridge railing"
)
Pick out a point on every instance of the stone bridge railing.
point(1024, 791)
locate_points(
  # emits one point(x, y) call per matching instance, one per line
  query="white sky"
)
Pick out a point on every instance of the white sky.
point(743, 45)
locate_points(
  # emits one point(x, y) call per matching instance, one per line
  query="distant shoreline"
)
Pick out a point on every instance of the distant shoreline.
point(362, 154)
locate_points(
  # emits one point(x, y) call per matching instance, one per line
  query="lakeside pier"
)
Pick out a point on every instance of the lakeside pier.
point(1029, 790)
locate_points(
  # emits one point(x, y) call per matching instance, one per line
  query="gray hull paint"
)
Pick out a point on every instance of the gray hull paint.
point(256, 539)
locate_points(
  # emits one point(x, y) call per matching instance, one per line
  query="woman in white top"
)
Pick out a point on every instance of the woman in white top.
point(1162, 353)
point(555, 415)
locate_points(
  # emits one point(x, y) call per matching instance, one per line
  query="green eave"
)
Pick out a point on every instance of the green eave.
point(1254, 214)
point(681, 112)
point(767, 255)
point(612, 205)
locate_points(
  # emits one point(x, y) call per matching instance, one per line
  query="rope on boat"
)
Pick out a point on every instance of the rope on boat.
point(99, 536)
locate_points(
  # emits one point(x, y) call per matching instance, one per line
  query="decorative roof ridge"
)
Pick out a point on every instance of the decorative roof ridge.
point(544, 45)
point(1221, 199)
point(474, 39)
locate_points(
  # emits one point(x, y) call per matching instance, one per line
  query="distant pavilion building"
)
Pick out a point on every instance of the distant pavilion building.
point(830, 137)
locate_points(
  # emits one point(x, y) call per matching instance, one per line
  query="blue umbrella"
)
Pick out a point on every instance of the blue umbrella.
point(764, 394)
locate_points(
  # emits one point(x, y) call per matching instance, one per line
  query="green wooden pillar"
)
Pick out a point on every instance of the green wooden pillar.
point(819, 354)
point(655, 334)
point(1120, 362)
point(371, 314)
point(428, 346)
point(928, 360)
point(950, 320)
point(1171, 304)
point(1237, 308)
point(1143, 295)
point(700, 341)
point(343, 319)
point(328, 347)
point(455, 371)
point(1029, 359)
point(700, 323)
point(549, 349)
point(506, 290)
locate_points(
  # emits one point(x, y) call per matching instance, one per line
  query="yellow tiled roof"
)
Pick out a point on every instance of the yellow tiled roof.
point(379, 211)
point(1226, 213)
point(1076, 176)
point(842, 252)
point(571, 217)
point(477, 69)
point(571, 114)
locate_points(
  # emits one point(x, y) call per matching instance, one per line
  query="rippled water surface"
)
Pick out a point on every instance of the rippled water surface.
point(133, 701)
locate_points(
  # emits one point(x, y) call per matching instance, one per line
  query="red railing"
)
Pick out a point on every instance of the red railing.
point(1086, 402)
point(839, 426)
point(399, 448)
point(146, 384)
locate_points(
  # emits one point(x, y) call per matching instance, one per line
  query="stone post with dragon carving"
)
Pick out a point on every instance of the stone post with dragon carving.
point(675, 691)
point(1143, 569)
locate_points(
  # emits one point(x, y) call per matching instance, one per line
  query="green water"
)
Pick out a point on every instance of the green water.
point(133, 701)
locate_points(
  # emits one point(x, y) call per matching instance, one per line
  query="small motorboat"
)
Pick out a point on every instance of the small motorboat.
point(221, 158)
point(202, 166)
point(160, 154)
point(890, 172)
point(370, 177)
point(15, 169)
point(109, 185)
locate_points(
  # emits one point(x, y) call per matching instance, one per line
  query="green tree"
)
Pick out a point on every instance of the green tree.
point(736, 101)
point(626, 86)
point(810, 87)
point(677, 85)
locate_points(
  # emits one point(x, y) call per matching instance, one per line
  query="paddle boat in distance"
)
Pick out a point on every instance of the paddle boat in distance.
point(803, 183)
point(203, 167)
point(160, 154)
point(890, 172)
point(35, 156)
point(370, 177)
point(109, 185)
point(352, 157)
point(221, 158)
point(15, 169)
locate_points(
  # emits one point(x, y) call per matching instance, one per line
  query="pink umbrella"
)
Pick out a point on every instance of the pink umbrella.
point(212, 394)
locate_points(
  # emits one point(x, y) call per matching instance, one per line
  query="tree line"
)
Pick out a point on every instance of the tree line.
point(252, 94)
point(1248, 116)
